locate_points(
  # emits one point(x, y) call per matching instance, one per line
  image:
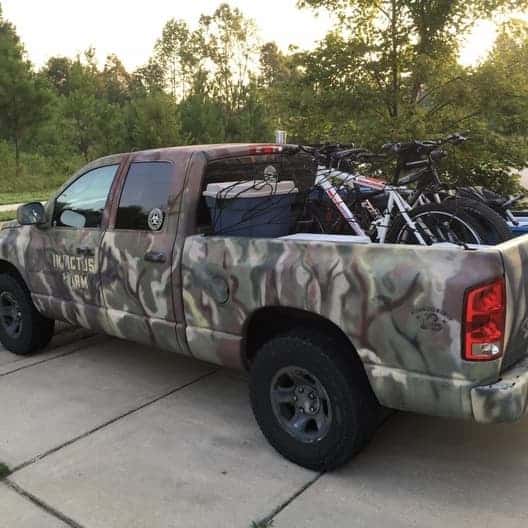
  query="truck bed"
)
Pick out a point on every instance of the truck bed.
point(400, 306)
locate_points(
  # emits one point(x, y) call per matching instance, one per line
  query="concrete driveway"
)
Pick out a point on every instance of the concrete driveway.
point(101, 433)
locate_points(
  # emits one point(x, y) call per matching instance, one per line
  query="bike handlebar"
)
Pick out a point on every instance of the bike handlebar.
point(426, 145)
point(513, 200)
point(337, 153)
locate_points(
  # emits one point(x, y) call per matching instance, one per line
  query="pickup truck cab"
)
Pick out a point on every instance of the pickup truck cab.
point(332, 330)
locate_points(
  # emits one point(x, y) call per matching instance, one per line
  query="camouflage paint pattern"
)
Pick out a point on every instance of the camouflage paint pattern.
point(116, 291)
point(400, 306)
point(505, 400)
point(515, 256)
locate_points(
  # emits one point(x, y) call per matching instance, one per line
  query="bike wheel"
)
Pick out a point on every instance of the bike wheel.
point(493, 229)
point(436, 223)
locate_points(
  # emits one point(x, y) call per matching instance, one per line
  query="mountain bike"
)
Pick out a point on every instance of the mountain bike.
point(398, 223)
point(418, 164)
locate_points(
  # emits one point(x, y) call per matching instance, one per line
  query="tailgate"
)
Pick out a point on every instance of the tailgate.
point(515, 257)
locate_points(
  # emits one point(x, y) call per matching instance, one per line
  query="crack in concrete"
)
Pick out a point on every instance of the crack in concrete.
point(110, 422)
point(84, 344)
point(55, 512)
point(268, 520)
point(50, 510)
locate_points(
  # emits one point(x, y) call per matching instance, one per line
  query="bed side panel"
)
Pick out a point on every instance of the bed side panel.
point(400, 305)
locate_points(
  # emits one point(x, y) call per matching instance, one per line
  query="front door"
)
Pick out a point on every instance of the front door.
point(136, 257)
point(64, 274)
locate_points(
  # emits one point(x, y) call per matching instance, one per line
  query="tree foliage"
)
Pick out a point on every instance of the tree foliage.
point(23, 97)
point(388, 70)
point(391, 68)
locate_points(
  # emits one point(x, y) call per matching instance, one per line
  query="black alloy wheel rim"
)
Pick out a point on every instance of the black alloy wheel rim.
point(10, 315)
point(301, 404)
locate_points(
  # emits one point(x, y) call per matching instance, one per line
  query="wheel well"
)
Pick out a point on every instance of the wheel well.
point(7, 267)
point(266, 323)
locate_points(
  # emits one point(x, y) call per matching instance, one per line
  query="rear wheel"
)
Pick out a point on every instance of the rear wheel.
point(23, 329)
point(493, 229)
point(436, 223)
point(311, 399)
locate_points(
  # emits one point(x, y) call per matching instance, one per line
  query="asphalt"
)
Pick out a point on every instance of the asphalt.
point(102, 433)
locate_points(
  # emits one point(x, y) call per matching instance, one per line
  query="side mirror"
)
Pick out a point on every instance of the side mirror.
point(31, 214)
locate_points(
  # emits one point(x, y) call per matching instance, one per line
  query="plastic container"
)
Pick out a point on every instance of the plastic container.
point(251, 209)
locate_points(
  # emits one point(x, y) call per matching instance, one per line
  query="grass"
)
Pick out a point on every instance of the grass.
point(268, 523)
point(7, 215)
point(4, 471)
point(23, 197)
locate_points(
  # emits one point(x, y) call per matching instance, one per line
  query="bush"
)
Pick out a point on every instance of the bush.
point(4, 471)
point(38, 173)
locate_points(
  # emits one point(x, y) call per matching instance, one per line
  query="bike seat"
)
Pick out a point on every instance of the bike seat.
point(349, 153)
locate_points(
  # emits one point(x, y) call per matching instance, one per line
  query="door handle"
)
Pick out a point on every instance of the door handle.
point(85, 250)
point(155, 256)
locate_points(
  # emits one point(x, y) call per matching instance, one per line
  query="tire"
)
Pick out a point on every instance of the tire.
point(346, 406)
point(23, 330)
point(492, 226)
point(456, 225)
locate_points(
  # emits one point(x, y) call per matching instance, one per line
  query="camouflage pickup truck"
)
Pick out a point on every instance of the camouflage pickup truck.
point(332, 332)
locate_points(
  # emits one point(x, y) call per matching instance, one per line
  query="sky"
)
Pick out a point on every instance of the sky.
point(130, 28)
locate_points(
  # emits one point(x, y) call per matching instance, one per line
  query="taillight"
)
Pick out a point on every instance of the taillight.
point(265, 149)
point(484, 319)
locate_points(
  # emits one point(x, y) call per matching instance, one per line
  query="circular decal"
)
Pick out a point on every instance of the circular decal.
point(155, 219)
point(270, 174)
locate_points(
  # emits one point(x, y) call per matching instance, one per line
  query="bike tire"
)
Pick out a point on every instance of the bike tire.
point(493, 228)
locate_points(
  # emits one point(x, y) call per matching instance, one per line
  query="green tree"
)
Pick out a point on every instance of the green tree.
point(230, 42)
point(115, 81)
point(390, 70)
point(177, 52)
point(153, 121)
point(58, 73)
point(81, 107)
point(148, 78)
point(23, 97)
point(409, 47)
point(496, 97)
point(274, 65)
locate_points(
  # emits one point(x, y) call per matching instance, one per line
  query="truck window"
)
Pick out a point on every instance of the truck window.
point(81, 205)
point(147, 189)
point(300, 168)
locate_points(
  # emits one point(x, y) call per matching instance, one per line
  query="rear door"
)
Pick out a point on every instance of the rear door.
point(136, 256)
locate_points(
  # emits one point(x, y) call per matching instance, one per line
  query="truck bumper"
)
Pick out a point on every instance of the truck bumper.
point(503, 401)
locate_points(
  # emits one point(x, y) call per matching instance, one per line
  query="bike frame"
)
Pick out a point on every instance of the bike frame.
point(324, 177)
point(323, 180)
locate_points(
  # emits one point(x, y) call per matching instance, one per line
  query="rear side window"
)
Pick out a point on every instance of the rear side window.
point(145, 196)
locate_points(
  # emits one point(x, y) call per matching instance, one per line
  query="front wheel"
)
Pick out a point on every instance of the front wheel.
point(23, 329)
point(312, 400)
point(436, 223)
